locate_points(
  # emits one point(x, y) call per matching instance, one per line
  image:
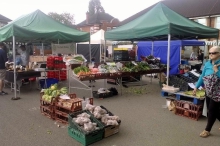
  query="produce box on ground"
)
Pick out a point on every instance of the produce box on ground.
point(96, 94)
point(72, 104)
point(188, 109)
point(109, 121)
point(84, 128)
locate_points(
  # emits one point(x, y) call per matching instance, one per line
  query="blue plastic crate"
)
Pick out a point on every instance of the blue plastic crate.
point(49, 82)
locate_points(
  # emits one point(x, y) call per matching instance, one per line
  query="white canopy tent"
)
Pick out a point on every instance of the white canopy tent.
point(99, 38)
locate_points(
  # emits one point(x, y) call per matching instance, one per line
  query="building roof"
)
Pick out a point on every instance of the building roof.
point(96, 19)
point(187, 8)
point(4, 19)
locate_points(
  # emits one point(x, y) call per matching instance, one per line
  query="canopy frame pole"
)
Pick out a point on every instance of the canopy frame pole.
point(100, 57)
point(181, 47)
point(168, 59)
point(76, 49)
point(15, 76)
point(105, 50)
point(152, 49)
point(90, 52)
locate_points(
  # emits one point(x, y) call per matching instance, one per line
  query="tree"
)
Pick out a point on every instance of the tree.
point(65, 18)
point(95, 7)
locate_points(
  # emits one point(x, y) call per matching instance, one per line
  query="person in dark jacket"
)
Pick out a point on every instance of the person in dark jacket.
point(200, 56)
point(3, 60)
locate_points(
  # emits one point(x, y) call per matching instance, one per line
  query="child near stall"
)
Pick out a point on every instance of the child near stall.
point(186, 70)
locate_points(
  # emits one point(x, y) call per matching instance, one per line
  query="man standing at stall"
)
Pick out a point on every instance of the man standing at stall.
point(3, 59)
point(25, 54)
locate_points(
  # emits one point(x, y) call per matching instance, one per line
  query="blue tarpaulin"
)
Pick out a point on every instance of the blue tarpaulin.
point(160, 51)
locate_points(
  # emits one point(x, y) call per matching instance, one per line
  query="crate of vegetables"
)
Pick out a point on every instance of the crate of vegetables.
point(109, 121)
point(50, 94)
point(84, 128)
point(72, 104)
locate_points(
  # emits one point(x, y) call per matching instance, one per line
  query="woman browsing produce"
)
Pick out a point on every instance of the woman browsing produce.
point(212, 67)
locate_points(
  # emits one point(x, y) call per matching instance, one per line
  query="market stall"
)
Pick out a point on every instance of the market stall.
point(160, 51)
point(161, 23)
point(38, 27)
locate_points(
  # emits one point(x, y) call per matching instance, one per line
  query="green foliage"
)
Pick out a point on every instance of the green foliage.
point(65, 18)
point(95, 7)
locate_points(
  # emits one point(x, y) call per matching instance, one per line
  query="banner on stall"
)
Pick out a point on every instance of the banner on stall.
point(212, 43)
point(69, 48)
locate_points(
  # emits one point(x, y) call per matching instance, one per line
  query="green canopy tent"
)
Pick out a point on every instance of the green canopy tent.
point(161, 23)
point(43, 28)
point(37, 26)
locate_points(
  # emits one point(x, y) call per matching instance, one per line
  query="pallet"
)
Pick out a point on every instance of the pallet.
point(181, 96)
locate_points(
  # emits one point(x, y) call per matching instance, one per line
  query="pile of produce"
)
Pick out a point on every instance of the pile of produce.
point(84, 121)
point(199, 93)
point(74, 59)
point(102, 115)
point(53, 92)
point(79, 58)
point(81, 70)
point(135, 67)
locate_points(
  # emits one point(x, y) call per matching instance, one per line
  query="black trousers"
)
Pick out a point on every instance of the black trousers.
point(213, 112)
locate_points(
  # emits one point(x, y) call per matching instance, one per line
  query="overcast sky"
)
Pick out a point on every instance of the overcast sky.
point(120, 9)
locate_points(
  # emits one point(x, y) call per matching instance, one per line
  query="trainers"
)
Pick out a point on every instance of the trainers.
point(3, 93)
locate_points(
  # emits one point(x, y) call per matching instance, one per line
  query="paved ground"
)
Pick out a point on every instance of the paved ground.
point(144, 121)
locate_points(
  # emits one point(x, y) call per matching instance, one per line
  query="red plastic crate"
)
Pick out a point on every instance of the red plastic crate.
point(187, 113)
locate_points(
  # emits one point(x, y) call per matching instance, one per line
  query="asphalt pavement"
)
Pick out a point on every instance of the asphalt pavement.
point(145, 121)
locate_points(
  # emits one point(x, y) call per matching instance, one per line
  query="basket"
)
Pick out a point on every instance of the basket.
point(108, 129)
point(74, 106)
point(85, 138)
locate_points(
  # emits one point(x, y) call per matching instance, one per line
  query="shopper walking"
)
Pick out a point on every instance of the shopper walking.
point(3, 60)
point(211, 67)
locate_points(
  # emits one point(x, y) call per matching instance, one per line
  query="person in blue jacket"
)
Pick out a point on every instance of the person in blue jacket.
point(211, 67)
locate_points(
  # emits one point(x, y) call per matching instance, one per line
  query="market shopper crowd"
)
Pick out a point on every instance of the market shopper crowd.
point(212, 67)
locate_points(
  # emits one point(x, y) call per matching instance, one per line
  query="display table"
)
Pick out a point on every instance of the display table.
point(9, 76)
point(116, 76)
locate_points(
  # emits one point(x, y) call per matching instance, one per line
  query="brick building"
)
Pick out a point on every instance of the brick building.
point(98, 21)
point(3, 20)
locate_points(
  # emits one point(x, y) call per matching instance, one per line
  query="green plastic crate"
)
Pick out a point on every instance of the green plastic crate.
point(85, 139)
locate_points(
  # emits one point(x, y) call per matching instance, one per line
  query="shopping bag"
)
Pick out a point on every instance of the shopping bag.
point(212, 87)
